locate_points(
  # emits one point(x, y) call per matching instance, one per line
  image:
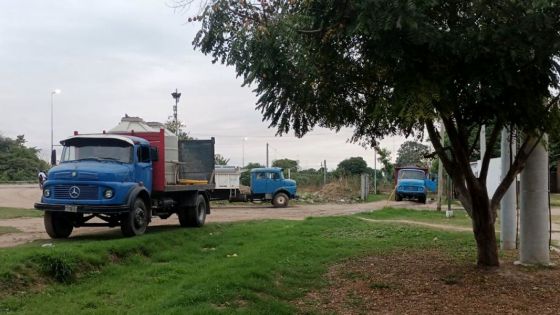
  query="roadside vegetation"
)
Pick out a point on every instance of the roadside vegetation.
point(12, 213)
point(260, 267)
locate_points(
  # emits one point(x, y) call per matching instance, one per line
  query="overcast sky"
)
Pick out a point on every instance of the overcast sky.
point(113, 57)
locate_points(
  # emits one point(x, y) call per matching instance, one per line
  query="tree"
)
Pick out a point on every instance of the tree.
point(18, 162)
point(177, 128)
point(352, 166)
point(401, 67)
point(412, 153)
point(384, 157)
point(220, 160)
point(286, 164)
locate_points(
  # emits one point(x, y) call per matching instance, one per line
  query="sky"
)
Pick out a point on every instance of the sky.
point(115, 57)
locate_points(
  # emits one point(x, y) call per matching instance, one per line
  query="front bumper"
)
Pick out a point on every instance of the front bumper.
point(109, 209)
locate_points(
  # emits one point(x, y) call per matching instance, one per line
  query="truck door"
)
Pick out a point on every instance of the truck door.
point(275, 182)
point(258, 183)
point(143, 167)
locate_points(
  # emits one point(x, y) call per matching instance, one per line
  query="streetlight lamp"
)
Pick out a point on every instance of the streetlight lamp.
point(243, 152)
point(53, 93)
point(176, 95)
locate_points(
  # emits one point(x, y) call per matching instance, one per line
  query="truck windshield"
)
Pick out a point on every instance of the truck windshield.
point(119, 153)
point(411, 174)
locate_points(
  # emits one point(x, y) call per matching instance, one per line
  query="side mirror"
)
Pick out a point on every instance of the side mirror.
point(154, 156)
point(53, 157)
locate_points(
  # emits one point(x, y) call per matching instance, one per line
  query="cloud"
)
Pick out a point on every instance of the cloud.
point(115, 57)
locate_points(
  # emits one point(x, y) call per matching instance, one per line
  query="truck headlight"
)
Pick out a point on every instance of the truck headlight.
point(108, 194)
point(47, 192)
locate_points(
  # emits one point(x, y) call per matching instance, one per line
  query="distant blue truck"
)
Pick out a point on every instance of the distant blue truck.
point(412, 183)
point(266, 184)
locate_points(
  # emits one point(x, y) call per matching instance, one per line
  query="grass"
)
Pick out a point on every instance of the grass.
point(8, 229)
point(377, 197)
point(12, 213)
point(555, 200)
point(460, 217)
point(252, 267)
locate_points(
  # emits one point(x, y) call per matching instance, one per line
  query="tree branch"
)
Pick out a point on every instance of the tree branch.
point(486, 158)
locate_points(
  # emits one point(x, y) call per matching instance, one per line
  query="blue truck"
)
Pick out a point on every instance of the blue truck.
point(269, 184)
point(412, 183)
point(124, 180)
point(266, 184)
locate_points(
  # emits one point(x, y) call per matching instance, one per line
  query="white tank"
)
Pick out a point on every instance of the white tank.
point(137, 124)
point(171, 152)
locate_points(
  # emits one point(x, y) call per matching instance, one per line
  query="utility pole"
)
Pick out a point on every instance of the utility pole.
point(375, 172)
point(440, 170)
point(267, 154)
point(508, 209)
point(534, 228)
point(325, 172)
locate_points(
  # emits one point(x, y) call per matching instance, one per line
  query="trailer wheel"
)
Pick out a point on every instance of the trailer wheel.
point(135, 221)
point(58, 224)
point(194, 216)
point(280, 200)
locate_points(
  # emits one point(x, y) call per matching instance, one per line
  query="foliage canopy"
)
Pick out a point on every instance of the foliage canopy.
point(388, 67)
point(18, 162)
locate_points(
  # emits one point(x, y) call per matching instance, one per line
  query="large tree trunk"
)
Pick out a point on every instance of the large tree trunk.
point(483, 228)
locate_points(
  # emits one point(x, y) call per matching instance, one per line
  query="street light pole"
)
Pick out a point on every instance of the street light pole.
point(53, 93)
point(243, 152)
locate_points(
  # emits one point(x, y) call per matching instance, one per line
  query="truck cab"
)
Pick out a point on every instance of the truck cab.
point(99, 174)
point(411, 184)
point(270, 184)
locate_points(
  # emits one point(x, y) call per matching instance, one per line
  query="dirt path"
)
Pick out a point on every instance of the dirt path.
point(23, 196)
point(444, 227)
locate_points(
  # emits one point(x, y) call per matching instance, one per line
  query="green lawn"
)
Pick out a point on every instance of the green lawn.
point(460, 217)
point(8, 229)
point(11, 213)
point(252, 267)
point(555, 200)
point(377, 197)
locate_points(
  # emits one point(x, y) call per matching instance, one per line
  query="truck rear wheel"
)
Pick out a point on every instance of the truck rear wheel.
point(193, 216)
point(58, 224)
point(280, 200)
point(136, 220)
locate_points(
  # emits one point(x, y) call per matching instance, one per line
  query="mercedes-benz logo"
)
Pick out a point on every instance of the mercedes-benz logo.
point(74, 192)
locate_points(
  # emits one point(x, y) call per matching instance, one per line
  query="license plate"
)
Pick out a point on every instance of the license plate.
point(70, 208)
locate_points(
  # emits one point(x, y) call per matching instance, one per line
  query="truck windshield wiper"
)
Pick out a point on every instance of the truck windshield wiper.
point(111, 159)
point(88, 158)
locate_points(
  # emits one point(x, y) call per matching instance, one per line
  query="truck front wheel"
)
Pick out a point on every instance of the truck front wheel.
point(136, 220)
point(58, 224)
point(280, 200)
point(193, 216)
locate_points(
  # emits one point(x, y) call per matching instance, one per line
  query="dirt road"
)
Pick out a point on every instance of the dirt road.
point(23, 196)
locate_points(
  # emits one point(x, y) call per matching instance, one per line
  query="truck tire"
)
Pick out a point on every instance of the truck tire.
point(280, 200)
point(58, 224)
point(136, 220)
point(193, 216)
point(422, 199)
point(398, 197)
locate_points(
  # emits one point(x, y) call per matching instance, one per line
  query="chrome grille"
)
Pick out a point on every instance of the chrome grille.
point(86, 192)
